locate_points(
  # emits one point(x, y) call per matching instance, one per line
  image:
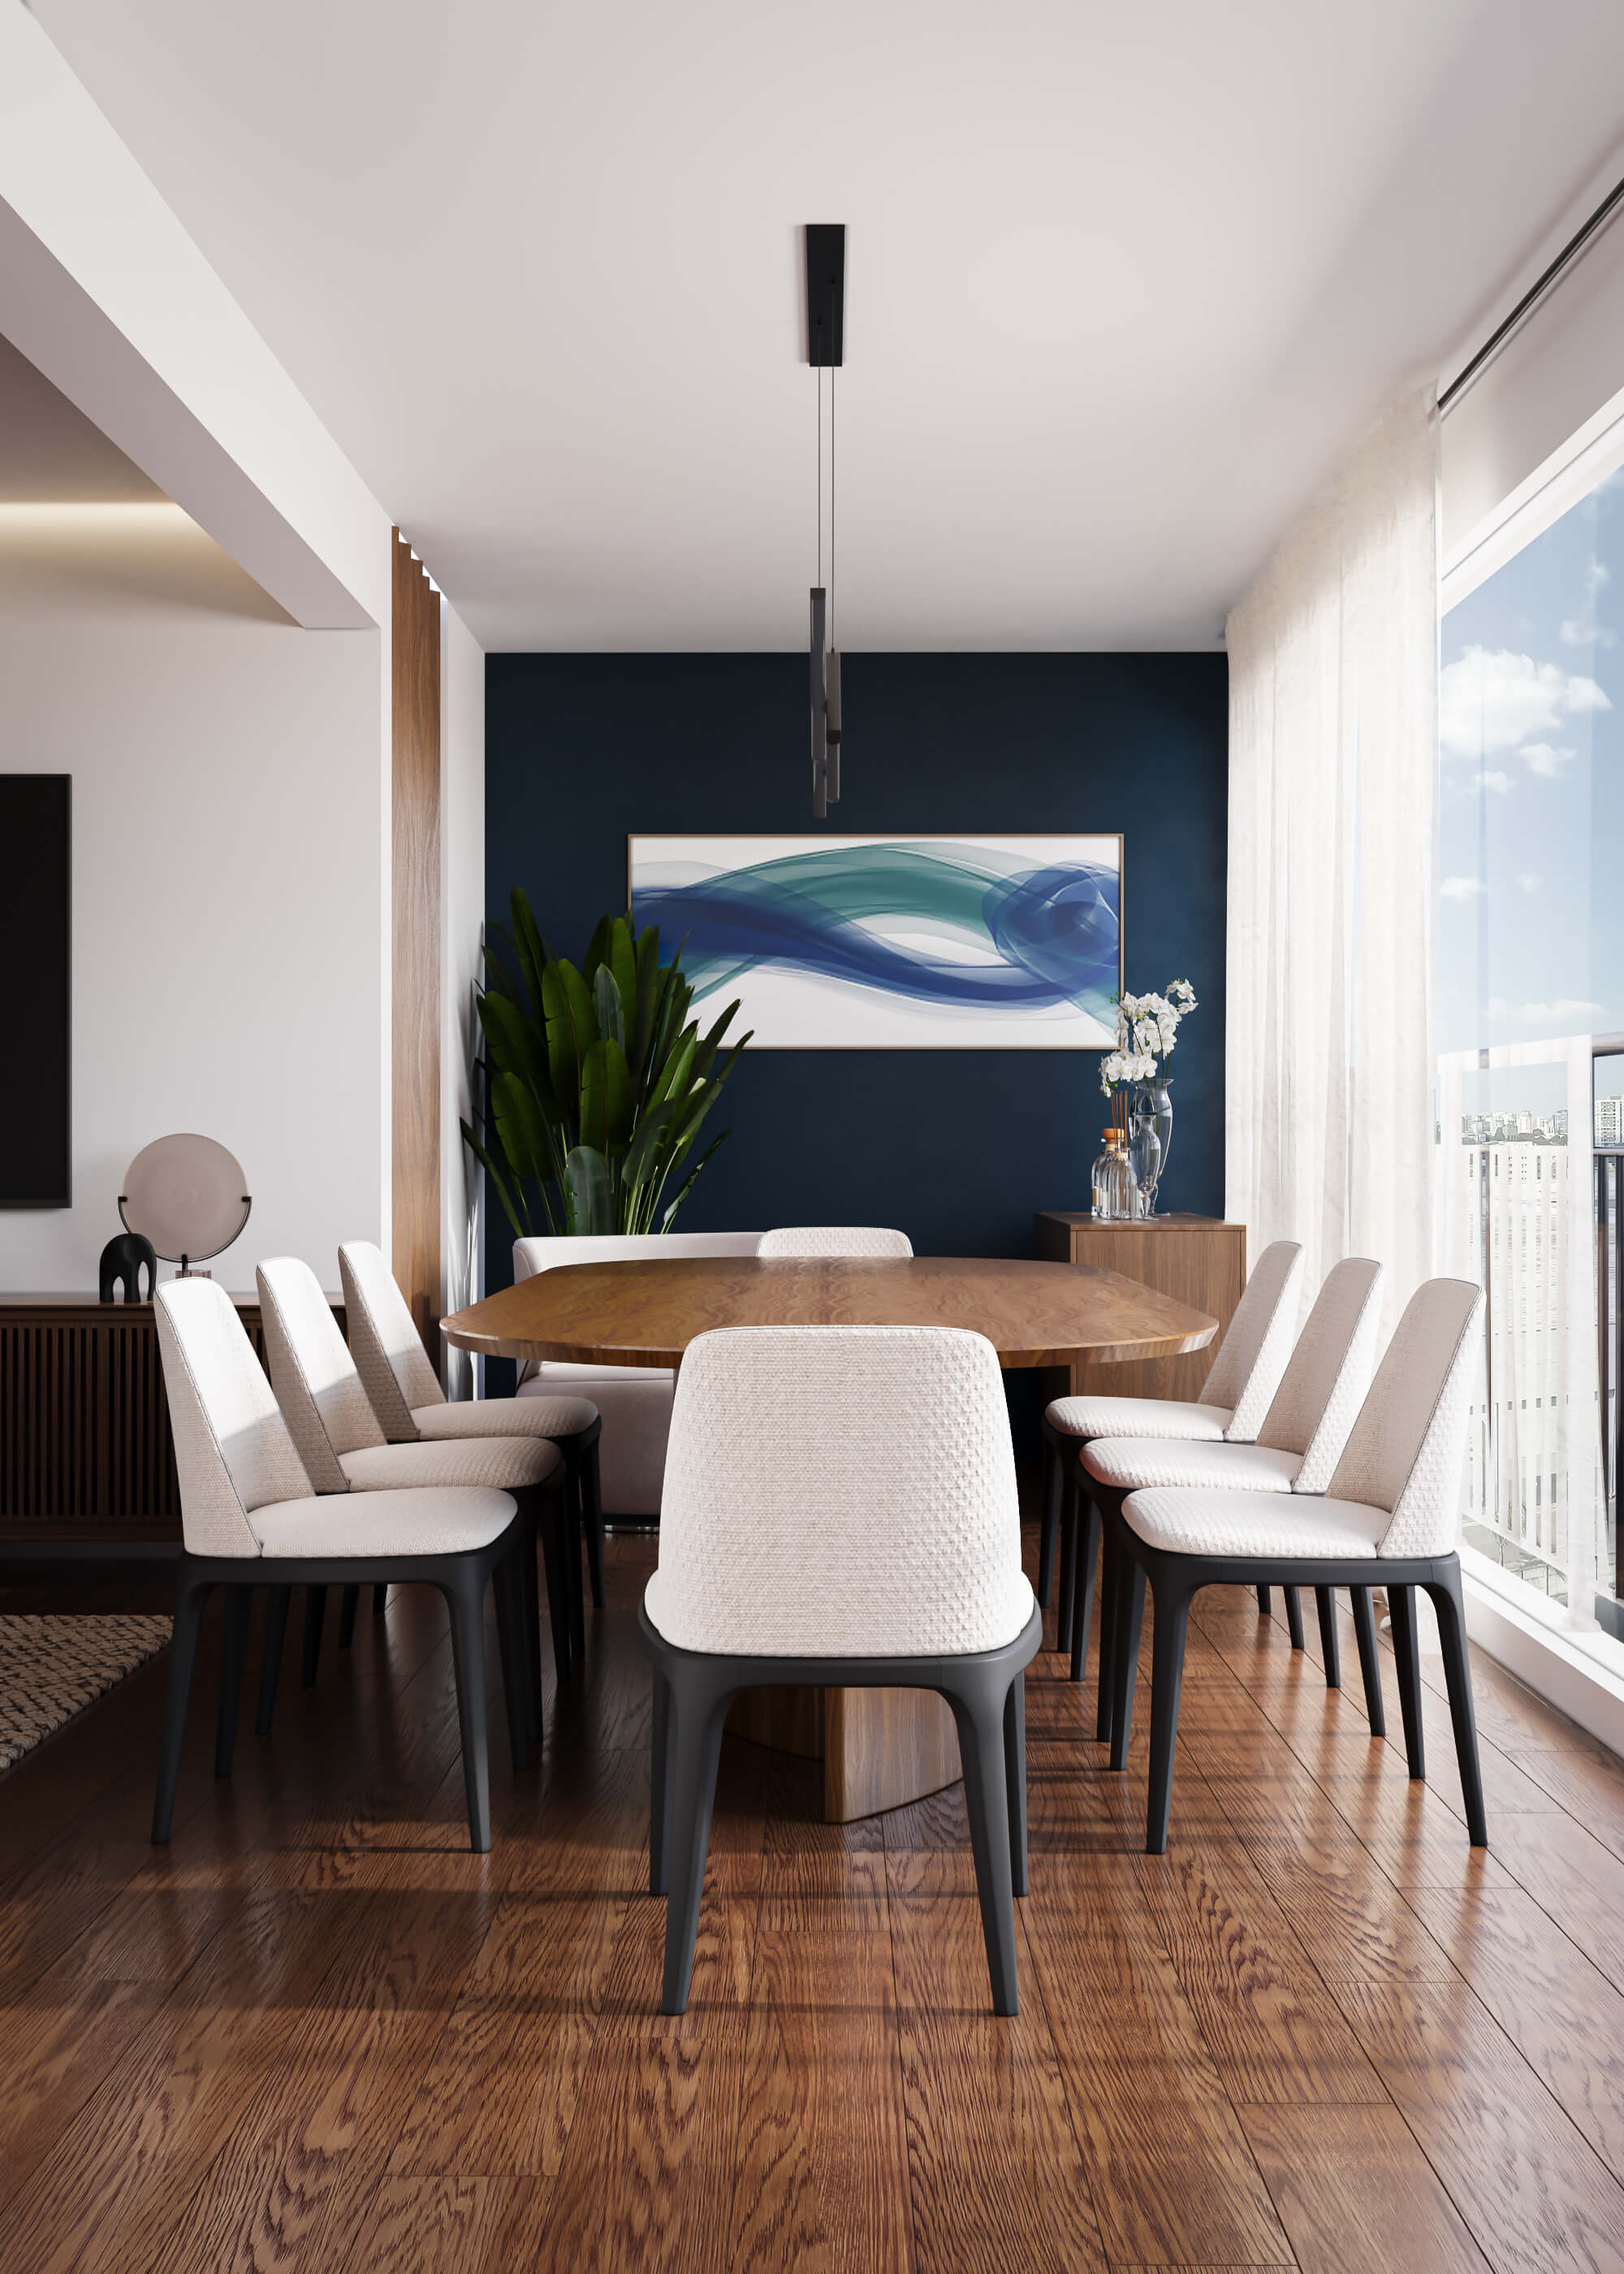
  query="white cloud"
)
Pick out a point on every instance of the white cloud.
point(1489, 700)
point(1568, 1013)
point(1493, 780)
point(1584, 631)
point(1461, 888)
point(1546, 758)
point(1530, 883)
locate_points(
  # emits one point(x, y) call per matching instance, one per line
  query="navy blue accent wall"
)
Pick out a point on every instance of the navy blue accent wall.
point(958, 1147)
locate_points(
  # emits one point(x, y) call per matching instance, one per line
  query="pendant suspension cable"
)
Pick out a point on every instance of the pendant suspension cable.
point(832, 506)
point(819, 473)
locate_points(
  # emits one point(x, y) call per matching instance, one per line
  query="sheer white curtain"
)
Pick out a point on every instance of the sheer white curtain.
point(1333, 788)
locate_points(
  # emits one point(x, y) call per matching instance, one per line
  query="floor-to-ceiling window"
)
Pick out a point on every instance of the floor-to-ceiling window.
point(1530, 1029)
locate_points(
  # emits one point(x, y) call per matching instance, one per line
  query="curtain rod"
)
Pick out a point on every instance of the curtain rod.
point(1535, 291)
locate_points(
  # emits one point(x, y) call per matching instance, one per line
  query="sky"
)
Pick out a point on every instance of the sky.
point(1531, 805)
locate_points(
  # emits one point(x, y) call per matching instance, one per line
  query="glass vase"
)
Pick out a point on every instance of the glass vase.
point(1152, 1105)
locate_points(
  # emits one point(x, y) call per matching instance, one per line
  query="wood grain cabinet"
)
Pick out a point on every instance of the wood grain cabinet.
point(1196, 1259)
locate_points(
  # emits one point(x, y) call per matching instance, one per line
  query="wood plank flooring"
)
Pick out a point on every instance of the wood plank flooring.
point(315, 2033)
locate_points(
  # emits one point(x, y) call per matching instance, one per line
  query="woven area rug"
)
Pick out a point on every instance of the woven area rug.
point(51, 1668)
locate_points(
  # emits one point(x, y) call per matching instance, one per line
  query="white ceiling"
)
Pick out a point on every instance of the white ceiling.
point(1122, 282)
point(51, 454)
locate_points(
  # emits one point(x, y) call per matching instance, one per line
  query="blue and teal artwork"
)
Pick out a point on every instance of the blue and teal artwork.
point(926, 943)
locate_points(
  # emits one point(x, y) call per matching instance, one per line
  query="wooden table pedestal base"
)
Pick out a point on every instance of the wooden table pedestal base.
point(879, 1748)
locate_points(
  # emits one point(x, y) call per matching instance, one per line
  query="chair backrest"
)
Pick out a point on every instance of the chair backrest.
point(385, 1344)
point(839, 1491)
point(834, 1239)
point(232, 1448)
point(314, 1377)
point(541, 1253)
point(1328, 1373)
point(1405, 1450)
point(1253, 1355)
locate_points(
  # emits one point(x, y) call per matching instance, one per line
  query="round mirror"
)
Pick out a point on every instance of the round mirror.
point(186, 1194)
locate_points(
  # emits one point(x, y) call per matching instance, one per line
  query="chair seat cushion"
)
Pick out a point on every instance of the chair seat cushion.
point(1254, 1524)
point(444, 1522)
point(504, 1417)
point(1132, 1463)
point(1137, 1417)
point(501, 1464)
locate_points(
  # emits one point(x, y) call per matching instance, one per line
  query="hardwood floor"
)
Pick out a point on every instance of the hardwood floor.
point(316, 2033)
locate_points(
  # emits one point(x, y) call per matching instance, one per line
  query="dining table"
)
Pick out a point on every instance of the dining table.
point(879, 1748)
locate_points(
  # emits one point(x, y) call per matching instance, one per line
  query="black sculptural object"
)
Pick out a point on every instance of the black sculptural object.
point(121, 1262)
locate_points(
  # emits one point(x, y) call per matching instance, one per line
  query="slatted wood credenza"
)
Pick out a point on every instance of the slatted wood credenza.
point(84, 1425)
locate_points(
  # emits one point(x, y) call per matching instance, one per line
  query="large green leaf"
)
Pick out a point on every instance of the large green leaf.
point(605, 1098)
point(679, 1069)
point(572, 1029)
point(532, 954)
point(642, 1154)
point(587, 1198)
point(526, 1140)
point(607, 1006)
point(704, 1057)
point(498, 1183)
point(517, 1047)
point(647, 952)
point(687, 1184)
point(598, 949)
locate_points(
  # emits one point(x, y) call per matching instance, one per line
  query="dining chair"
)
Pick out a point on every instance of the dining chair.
point(835, 1239)
point(634, 1401)
point(805, 1539)
point(1296, 1450)
point(248, 1516)
point(409, 1405)
point(343, 1451)
point(1389, 1516)
point(1241, 1382)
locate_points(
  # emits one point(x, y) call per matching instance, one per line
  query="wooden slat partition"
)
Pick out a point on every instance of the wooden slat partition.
point(84, 1423)
point(414, 914)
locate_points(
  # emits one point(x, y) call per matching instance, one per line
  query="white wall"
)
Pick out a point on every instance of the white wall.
point(462, 898)
point(227, 878)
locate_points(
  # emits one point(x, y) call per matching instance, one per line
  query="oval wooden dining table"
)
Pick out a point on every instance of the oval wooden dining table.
point(879, 1748)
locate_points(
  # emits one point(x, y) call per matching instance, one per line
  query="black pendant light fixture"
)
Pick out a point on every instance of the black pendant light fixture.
point(825, 344)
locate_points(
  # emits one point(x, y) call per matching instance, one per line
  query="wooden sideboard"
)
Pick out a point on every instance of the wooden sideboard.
point(84, 1423)
point(1196, 1259)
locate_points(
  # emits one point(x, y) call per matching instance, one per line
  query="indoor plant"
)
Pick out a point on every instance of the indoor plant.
point(595, 1080)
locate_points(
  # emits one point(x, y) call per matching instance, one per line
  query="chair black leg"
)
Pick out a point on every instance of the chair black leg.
point(507, 1588)
point(1083, 1564)
point(1370, 1659)
point(663, 1769)
point(1167, 1676)
point(1330, 1641)
point(1293, 1617)
point(552, 1549)
point(696, 1745)
point(315, 1611)
point(591, 1482)
point(465, 1597)
point(1406, 1651)
point(987, 1804)
point(1129, 1624)
point(1071, 1492)
point(380, 1599)
point(188, 1600)
point(528, 1601)
point(1015, 1779)
point(1263, 1601)
point(239, 1609)
point(349, 1603)
point(270, 1668)
point(1110, 1583)
point(1049, 1531)
point(1451, 1610)
point(574, 1595)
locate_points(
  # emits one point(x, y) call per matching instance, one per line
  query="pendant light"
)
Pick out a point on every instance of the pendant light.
point(825, 344)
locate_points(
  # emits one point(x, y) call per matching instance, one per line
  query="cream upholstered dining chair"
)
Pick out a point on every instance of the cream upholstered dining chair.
point(634, 1401)
point(1389, 1516)
point(805, 1538)
point(835, 1239)
point(1297, 1448)
point(404, 1393)
point(249, 1517)
point(1244, 1376)
point(343, 1451)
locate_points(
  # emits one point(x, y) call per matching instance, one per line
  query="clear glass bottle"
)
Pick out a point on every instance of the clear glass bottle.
point(1115, 1187)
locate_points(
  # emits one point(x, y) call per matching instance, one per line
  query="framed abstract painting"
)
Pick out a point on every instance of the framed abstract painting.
point(973, 943)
